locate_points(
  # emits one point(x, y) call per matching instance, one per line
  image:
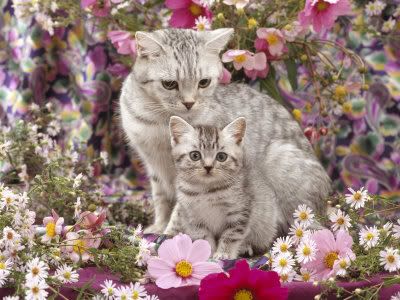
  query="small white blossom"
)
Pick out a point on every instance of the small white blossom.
point(374, 8)
point(369, 237)
point(340, 220)
point(390, 259)
point(78, 181)
point(202, 24)
point(11, 298)
point(395, 296)
point(303, 215)
point(305, 275)
point(123, 293)
point(238, 3)
point(10, 237)
point(283, 263)
point(207, 3)
point(282, 245)
point(4, 148)
point(341, 264)
point(66, 274)
point(396, 230)
point(108, 288)
point(8, 200)
point(388, 25)
point(306, 251)
point(298, 232)
point(36, 268)
point(104, 157)
point(287, 276)
point(138, 291)
point(36, 289)
point(387, 228)
point(77, 208)
point(357, 199)
point(292, 31)
point(144, 252)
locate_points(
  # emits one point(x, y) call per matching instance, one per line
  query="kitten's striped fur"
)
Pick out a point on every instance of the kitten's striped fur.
point(276, 149)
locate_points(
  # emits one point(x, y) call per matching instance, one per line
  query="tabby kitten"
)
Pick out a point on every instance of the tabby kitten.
point(176, 74)
point(219, 196)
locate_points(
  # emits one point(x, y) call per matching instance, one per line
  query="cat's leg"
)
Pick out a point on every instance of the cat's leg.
point(200, 232)
point(175, 225)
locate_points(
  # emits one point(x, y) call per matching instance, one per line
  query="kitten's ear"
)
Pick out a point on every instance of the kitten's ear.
point(147, 44)
point(236, 130)
point(217, 39)
point(178, 127)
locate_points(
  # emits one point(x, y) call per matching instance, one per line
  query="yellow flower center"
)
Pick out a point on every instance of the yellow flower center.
point(343, 264)
point(251, 23)
point(330, 258)
point(306, 250)
point(369, 236)
point(110, 291)
point(357, 196)
point(243, 295)
point(124, 297)
point(272, 39)
point(195, 9)
point(201, 27)
point(390, 259)
point(297, 116)
point(79, 247)
point(322, 5)
point(35, 290)
point(184, 269)
point(8, 200)
point(240, 58)
point(340, 91)
point(303, 216)
point(35, 271)
point(283, 262)
point(135, 295)
point(288, 27)
point(299, 232)
point(306, 276)
point(67, 275)
point(2, 265)
point(51, 229)
point(283, 247)
point(340, 221)
point(347, 107)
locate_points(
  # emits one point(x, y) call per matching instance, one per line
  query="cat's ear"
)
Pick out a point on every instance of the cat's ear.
point(147, 44)
point(236, 130)
point(218, 38)
point(178, 127)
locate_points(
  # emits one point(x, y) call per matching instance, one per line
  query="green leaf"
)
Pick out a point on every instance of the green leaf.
point(269, 84)
point(291, 68)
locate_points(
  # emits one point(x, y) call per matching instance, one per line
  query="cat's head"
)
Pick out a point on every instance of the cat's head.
point(179, 68)
point(206, 154)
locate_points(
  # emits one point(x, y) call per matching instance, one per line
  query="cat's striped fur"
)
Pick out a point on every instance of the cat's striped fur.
point(276, 149)
point(220, 201)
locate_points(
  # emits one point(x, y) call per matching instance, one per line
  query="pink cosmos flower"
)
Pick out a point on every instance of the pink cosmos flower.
point(270, 40)
point(255, 73)
point(181, 262)
point(53, 227)
point(99, 8)
point(245, 59)
point(78, 245)
point(225, 77)
point(322, 14)
point(123, 42)
point(185, 12)
point(329, 250)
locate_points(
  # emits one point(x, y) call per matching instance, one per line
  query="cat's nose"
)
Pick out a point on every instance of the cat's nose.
point(208, 168)
point(188, 105)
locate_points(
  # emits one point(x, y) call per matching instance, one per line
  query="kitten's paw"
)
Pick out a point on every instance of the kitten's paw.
point(156, 228)
point(223, 255)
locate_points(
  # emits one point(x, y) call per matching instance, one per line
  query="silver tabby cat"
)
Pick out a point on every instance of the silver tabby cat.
point(176, 73)
point(220, 197)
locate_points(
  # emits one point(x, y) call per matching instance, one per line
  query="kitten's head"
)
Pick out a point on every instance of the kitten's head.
point(207, 154)
point(179, 68)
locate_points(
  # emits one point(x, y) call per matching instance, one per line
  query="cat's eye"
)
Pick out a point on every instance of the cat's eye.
point(195, 155)
point(204, 83)
point(169, 84)
point(221, 156)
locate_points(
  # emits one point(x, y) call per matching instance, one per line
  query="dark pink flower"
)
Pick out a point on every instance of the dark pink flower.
point(123, 42)
point(242, 283)
point(91, 221)
point(99, 8)
point(185, 12)
point(322, 14)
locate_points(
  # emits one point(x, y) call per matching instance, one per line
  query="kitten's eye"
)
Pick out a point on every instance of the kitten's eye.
point(222, 156)
point(170, 85)
point(195, 155)
point(204, 83)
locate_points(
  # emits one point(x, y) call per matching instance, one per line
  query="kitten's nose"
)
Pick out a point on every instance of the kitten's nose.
point(208, 168)
point(188, 105)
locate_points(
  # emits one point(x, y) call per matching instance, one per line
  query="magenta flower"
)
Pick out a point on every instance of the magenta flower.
point(242, 283)
point(185, 12)
point(322, 14)
point(329, 250)
point(123, 42)
point(181, 262)
point(99, 8)
point(270, 40)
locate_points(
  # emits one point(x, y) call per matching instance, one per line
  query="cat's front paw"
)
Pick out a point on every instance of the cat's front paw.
point(223, 256)
point(156, 228)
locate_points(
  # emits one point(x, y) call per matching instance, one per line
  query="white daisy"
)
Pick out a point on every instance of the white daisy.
point(287, 276)
point(357, 199)
point(390, 259)
point(144, 252)
point(374, 8)
point(303, 214)
point(341, 265)
point(77, 181)
point(282, 245)
point(10, 237)
point(305, 275)
point(5, 266)
point(123, 293)
point(36, 268)
point(11, 298)
point(8, 200)
point(387, 228)
point(36, 289)
point(138, 291)
point(202, 24)
point(340, 220)
point(395, 296)
point(3, 278)
point(388, 25)
point(283, 263)
point(396, 230)
point(306, 251)
point(298, 232)
point(108, 288)
point(77, 208)
point(104, 157)
point(207, 3)
point(369, 237)
point(66, 274)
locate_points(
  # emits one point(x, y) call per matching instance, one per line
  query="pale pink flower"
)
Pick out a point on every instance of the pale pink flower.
point(53, 227)
point(91, 221)
point(185, 12)
point(225, 77)
point(78, 245)
point(292, 31)
point(238, 3)
point(245, 59)
point(329, 250)
point(272, 39)
point(181, 262)
point(322, 14)
point(123, 42)
point(99, 8)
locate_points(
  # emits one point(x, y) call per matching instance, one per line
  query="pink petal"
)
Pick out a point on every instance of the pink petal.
point(169, 251)
point(262, 33)
point(325, 240)
point(182, 18)
point(249, 63)
point(176, 4)
point(184, 244)
point(86, 3)
point(225, 77)
point(168, 281)
point(158, 267)
point(201, 251)
point(343, 240)
point(260, 61)
point(276, 50)
point(47, 220)
point(202, 269)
